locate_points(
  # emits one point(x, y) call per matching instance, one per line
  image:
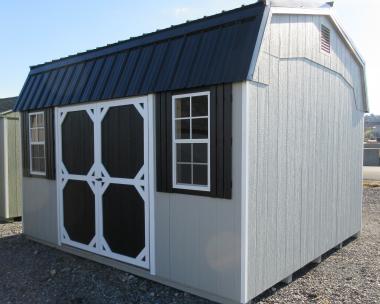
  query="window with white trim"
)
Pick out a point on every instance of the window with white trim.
point(191, 141)
point(37, 143)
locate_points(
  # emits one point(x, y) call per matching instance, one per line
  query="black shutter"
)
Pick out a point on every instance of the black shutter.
point(49, 143)
point(25, 143)
point(220, 141)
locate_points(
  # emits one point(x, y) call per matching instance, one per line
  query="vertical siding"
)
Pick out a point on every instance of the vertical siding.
point(2, 167)
point(305, 149)
point(198, 238)
point(14, 164)
point(10, 166)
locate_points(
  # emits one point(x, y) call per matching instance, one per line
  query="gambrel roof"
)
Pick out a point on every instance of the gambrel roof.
point(212, 50)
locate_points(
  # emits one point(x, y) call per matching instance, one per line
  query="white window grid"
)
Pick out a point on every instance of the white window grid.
point(176, 141)
point(36, 143)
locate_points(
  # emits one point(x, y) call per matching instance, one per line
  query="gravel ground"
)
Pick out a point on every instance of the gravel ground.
point(33, 273)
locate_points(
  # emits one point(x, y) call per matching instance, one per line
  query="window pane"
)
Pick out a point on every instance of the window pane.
point(182, 128)
point(183, 152)
point(33, 121)
point(200, 153)
point(200, 126)
point(42, 165)
point(40, 120)
point(199, 106)
point(182, 107)
point(41, 134)
point(200, 175)
point(41, 150)
point(37, 151)
point(184, 174)
point(34, 135)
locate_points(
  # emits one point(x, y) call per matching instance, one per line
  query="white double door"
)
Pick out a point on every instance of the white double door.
point(102, 173)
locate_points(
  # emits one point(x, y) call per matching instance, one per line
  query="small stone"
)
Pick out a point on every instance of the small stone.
point(53, 272)
point(35, 252)
point(152, 294)
point(273, 289)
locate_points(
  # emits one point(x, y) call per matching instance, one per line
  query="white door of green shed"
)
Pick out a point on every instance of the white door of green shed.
point(102, 170)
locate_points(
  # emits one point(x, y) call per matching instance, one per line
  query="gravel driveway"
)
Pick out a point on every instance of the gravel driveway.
point(33, 273)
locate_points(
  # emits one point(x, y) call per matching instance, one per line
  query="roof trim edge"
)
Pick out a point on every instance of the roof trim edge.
point(267, 17)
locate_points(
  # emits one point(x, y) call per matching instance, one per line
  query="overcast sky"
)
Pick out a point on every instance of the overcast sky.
point(32, 32)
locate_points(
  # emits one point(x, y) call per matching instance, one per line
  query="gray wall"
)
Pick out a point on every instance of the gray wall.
point(305, 150)
point(40, 209)
point(198, 238)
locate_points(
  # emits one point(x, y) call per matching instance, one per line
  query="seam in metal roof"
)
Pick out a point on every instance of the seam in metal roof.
point(212, 50)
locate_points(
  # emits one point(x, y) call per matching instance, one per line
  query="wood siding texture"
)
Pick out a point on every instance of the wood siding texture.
point(198, 238)
point(305, 149)
point(10, 166)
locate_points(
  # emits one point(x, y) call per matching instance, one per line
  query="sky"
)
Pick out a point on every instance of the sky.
point(33, 32)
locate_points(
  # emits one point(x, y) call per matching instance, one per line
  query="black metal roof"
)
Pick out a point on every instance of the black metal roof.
point(212, 50)
point(7, 104)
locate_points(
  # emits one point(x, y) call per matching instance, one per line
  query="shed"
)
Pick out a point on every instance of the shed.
point(10, 160)
point(217, 156)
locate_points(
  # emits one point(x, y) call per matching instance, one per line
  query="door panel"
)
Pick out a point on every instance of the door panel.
point(124, 220)
point(78, 142)
point(79, 211)
point(102, 153)
point(123, 151)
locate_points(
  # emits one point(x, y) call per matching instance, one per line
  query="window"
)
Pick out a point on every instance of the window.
point(37, 143)
point(191, 141)
point(325, 39)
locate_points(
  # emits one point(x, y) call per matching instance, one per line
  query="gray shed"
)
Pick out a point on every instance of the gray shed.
point(218, 156)
point(10, 160)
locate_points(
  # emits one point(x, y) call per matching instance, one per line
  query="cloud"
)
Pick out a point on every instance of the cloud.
point(181, 12)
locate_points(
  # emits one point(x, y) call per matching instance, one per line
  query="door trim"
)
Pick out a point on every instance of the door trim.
point(149, 152)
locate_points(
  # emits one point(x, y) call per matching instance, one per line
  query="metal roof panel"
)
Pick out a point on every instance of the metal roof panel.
point(216, 49)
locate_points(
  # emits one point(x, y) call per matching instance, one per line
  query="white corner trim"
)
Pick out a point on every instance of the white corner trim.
point(244, 197)
point(152, 182)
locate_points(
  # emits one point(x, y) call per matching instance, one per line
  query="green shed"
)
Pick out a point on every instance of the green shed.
point(10, 160)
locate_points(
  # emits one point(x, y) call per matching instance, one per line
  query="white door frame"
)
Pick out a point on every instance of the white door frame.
point(96, 112)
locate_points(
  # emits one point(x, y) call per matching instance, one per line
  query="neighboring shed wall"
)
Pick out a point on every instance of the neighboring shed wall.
point(198, 238)
point(2, 167)
point(305, 149)
point(10, 166)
